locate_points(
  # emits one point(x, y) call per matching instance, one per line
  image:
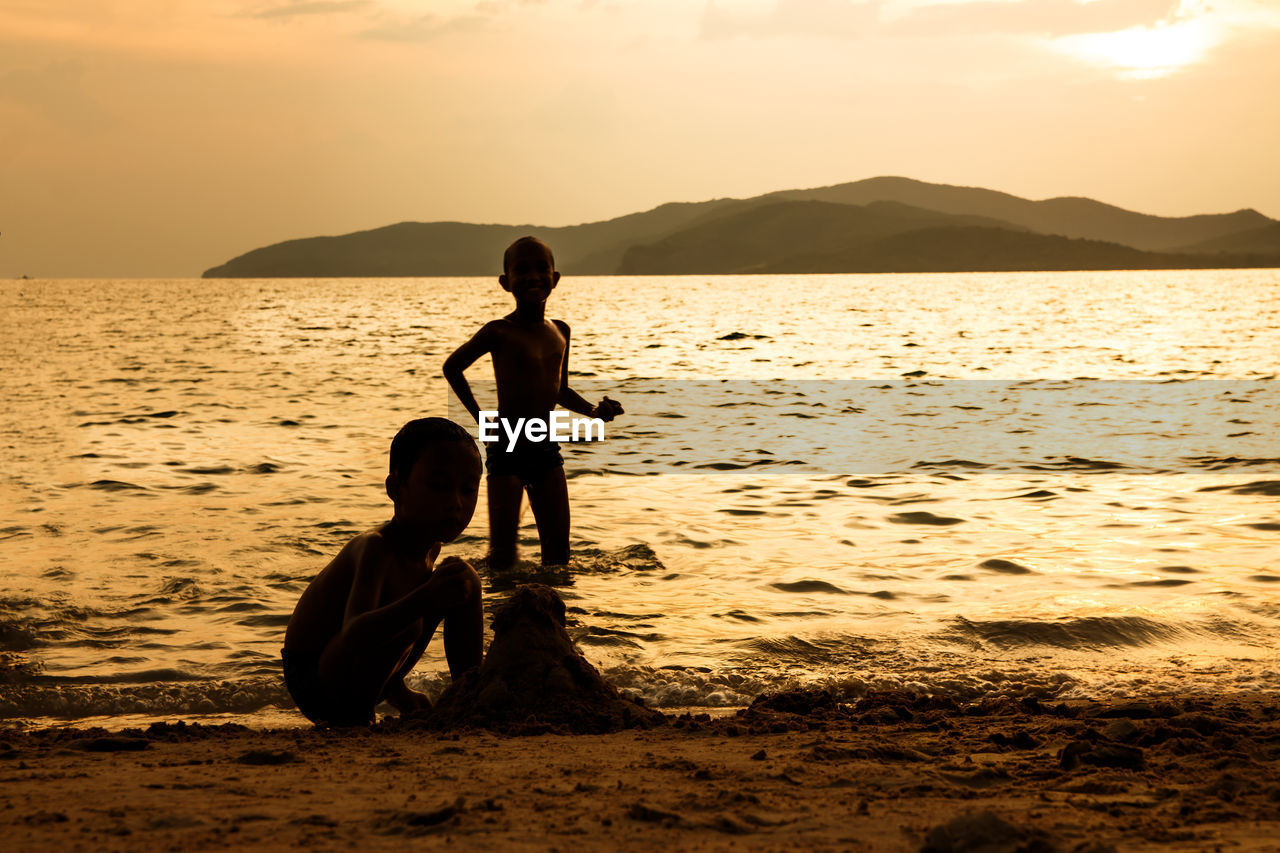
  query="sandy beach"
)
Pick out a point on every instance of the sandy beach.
point(798, 771)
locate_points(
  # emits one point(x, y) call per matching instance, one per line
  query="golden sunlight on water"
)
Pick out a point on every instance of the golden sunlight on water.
point(1022, 483)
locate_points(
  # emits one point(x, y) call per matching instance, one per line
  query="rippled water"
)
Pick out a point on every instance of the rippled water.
point(1020, 483)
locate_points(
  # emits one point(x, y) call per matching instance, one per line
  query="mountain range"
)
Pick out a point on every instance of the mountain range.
point(883, 224)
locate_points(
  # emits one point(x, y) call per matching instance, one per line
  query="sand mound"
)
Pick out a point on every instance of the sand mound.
point(984, 832)
point(534, 680)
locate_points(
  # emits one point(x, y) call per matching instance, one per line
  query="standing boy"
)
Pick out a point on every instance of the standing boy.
point(363, 622)
point(531, 370)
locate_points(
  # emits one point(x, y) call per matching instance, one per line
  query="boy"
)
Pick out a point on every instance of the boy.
point(364, 621)
point(531, 369)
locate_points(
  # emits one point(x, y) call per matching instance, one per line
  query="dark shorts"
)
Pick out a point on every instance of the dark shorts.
point(528, 460)
point(302, 679)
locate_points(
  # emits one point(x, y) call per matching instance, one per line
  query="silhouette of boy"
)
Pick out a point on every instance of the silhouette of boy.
point(531, 368)
point(363, 622)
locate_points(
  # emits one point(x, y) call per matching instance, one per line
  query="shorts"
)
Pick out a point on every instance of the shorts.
point(302, 679)
point(528, 460)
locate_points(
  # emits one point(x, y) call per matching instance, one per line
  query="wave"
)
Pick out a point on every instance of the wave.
point(1077, 463)
point(76, 701)
point(1269, 488)
point(1091, 633)
point(29, 623)
point(1224, 463)
point(663, 688)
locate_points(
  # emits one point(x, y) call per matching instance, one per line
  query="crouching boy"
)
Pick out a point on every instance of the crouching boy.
point(364, 621)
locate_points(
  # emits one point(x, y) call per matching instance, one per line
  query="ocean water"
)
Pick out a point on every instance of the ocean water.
point(1049, 484)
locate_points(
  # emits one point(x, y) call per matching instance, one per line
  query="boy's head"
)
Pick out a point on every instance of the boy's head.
point(434, 477)
point(529, 270)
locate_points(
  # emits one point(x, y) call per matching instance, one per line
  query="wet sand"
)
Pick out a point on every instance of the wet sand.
point(799, 771)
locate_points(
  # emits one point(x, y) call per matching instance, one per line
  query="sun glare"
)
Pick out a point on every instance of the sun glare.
point(1145, 51)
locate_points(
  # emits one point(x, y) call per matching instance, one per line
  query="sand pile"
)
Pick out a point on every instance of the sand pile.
point(533, 679)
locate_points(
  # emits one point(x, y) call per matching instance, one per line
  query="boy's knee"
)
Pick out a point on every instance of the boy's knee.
point(470, 582)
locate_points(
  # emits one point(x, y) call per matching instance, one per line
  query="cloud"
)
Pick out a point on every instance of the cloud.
point(1050, 18)
point(815, 18)
point(312, 7)
point(861, 18)
point(1192, 32)
point(496, 6)
point(425, 28)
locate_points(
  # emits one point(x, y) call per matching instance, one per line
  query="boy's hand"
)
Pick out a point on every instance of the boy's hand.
point(450, 582)
point(608, 409)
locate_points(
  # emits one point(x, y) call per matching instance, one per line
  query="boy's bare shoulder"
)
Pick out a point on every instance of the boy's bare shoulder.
point(364, 549)
point(494, 332)
point(318, 615)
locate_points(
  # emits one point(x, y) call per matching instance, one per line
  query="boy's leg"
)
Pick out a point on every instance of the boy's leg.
point(505, 496)
point(463, 627)
point(549, 499)
point(464, 631)
point(357, 664)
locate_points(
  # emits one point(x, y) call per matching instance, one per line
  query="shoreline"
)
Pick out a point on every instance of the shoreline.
point(892, 771)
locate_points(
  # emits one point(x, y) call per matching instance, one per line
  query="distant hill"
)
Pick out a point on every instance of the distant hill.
point(822, 237)
point(977, 249)
point(878, 224)
point(756, 239)
point(458, 248)
point(406, 249)
point(1067, 217)
point(1256, 241)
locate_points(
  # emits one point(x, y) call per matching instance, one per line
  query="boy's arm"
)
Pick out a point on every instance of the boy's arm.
point(366, 582)
point(365, 595)
point(572, 400)
point(481, 343)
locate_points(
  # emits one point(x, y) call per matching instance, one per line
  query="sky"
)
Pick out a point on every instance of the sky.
point(157, 138)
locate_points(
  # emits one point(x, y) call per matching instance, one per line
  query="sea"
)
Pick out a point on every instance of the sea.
point(1055, 485)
